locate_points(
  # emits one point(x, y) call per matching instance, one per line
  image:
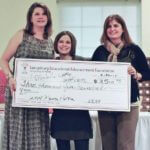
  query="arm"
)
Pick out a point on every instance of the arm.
point(8, 54)
point(133, 71)
point(141, 70)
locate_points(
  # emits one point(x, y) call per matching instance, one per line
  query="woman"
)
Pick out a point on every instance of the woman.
point(27, 128)
point(69, 125)
point(118, 128)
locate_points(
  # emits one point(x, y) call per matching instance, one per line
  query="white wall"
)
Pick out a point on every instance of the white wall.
point(145, 5)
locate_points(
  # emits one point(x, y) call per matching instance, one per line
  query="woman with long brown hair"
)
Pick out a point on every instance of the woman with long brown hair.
point(118, 128)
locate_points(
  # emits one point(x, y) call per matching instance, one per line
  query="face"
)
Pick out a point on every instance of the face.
point(114, 30)
point(64, 45)
point(39, 18)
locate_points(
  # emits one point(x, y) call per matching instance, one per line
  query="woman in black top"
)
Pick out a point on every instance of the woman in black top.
point(118, 128)
point(69, 125)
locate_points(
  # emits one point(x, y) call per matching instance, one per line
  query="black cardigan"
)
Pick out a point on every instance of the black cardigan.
point(133, 54)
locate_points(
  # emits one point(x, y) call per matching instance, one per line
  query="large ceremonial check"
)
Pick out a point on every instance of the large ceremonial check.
point(72, 85)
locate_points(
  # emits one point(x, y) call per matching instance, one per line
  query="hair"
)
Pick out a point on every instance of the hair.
point(29, 25)
point(125, 35)
point(73, 42)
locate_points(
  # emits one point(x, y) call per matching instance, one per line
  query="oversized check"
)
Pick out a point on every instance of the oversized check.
point(72, 85)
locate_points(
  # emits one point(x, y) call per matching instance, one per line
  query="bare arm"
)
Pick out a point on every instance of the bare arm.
point(7, 55)
point(10, 51)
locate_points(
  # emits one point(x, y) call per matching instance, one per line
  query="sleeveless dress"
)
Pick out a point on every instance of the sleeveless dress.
point(27, 128)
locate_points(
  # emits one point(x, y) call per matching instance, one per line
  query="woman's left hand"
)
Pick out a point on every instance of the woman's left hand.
point(132, 71)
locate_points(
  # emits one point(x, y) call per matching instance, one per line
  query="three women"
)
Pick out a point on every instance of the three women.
point(27, 128)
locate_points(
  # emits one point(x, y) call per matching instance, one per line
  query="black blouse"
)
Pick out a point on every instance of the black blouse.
point(133, 54)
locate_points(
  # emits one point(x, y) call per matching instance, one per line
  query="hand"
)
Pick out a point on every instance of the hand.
point(12, 84)
point(138, 76)
point(50, 110)
point(132, 71)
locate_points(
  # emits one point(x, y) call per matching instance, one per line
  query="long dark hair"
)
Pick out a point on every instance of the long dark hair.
point(73, 42)
point(125, 35)
point(29, 25)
